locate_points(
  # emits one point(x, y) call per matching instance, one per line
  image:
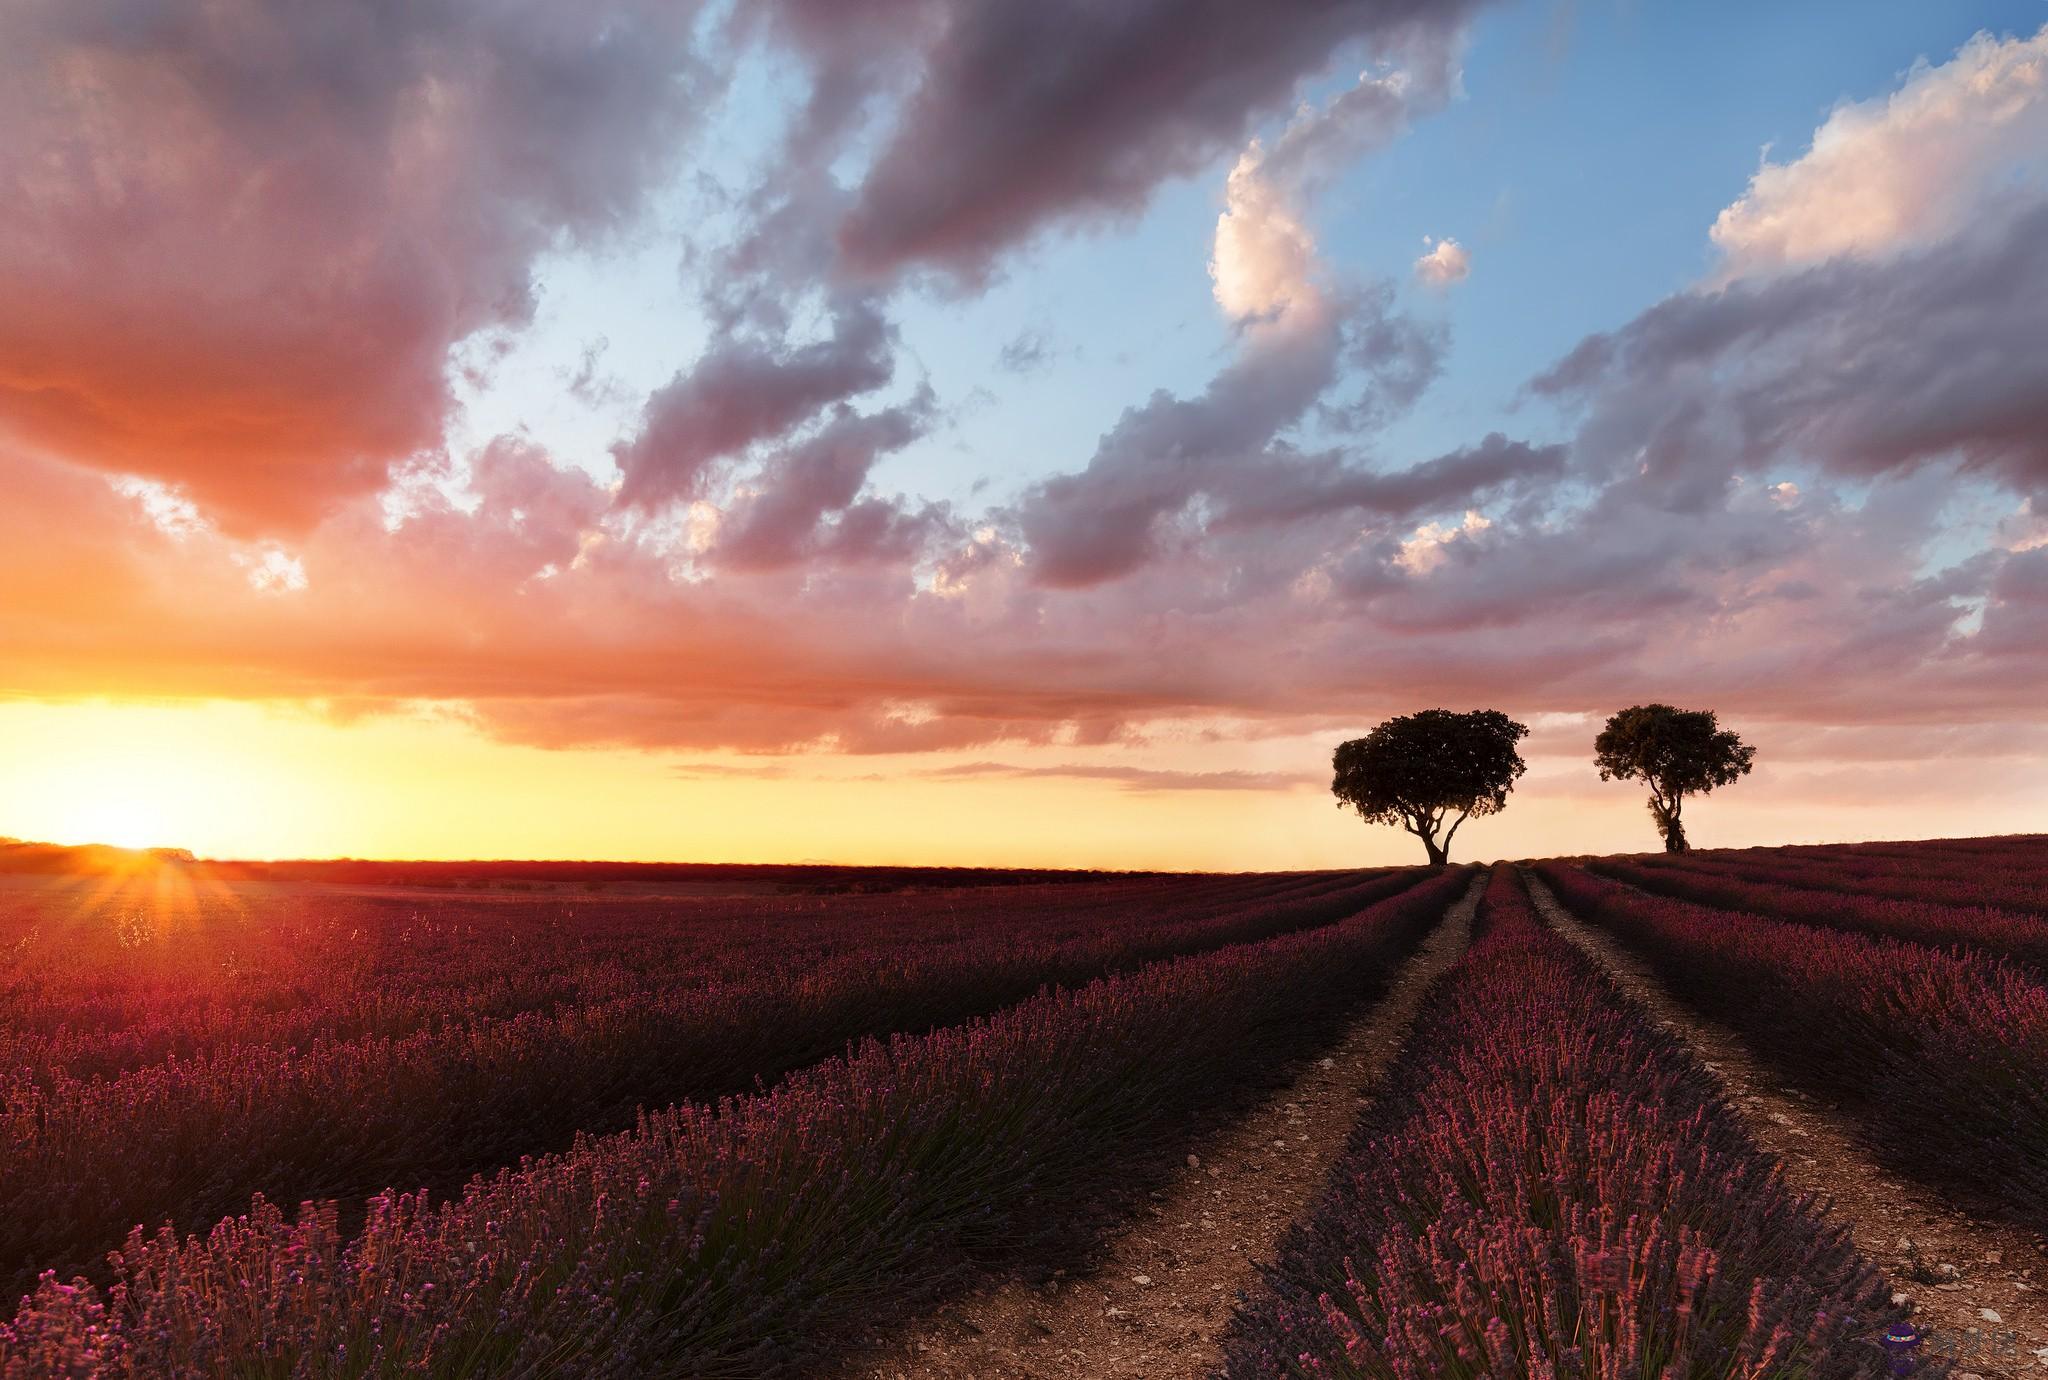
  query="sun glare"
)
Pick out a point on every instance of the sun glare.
point(221, 780)
point(137, 786)
point(124, 822)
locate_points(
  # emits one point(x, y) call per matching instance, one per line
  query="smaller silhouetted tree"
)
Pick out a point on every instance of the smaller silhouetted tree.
point(1420, 770)
point(1679, 752)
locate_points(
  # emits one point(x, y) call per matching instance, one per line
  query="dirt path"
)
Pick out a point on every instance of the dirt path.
point(1960, 1274)
point(1156, 1306)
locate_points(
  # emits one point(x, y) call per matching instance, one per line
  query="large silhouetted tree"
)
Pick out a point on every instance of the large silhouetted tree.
point(1420, 770)
point(1679, 752)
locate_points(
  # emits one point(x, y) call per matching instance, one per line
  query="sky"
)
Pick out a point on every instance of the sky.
point(924, 431)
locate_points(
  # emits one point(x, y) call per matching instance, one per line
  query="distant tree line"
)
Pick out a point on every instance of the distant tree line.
point(1430, 771)
point(21, 857)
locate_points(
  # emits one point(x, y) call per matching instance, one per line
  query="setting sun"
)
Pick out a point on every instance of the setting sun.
point(123, 820)
point(133, 776)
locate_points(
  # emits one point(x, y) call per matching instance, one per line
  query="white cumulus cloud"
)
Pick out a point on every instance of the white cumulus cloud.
point(1425, 550)
point(1446, 262)
point(1264, 262)
point(1903, 171)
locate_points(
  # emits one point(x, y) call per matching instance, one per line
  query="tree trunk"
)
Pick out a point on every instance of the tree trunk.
point(1668, 824)
point(1438, 855)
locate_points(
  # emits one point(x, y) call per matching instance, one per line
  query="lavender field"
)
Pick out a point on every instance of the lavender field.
point(288, 1128)
point(978, 690)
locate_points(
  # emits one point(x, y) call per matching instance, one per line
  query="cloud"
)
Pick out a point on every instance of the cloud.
point(1135, 778)
point(1297, 334)
point(1861, 367)
point(728, 771)
point(1424, 551)
point(1902, 172)
point(1106, 520)
point(1021, 117)
point(1875, 310)
point(1250, 556)
point(1264, 257)
point(1446, 263)
point(743, 392)
point(1302, 486)
point(1024, 353)
point(779, 518)
point(241, 239)
point(1130, 504)
point(1905, 743)
point(553, 619)
point(2024, 530)
point(1393, 358)
point(1264, 262)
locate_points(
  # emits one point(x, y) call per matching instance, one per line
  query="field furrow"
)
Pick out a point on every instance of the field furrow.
point(1154, 1302)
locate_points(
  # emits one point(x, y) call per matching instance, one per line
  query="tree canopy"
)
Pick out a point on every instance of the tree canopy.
point(1422, 769)
point(1679, 752)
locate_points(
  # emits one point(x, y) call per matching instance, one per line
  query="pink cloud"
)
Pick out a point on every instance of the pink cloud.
point(556, 624)
point(1265, 262)
point(242, 239)
point(1446, 262)
point(1904, 171)
point(745, 585)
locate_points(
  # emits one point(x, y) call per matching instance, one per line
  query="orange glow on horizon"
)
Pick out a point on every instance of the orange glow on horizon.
point(258, 781)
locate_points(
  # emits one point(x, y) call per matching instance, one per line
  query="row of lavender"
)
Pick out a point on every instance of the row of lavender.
point(1940, 1055)
point(1548, 1185)
point(2012, 879)
point(1813, 900)
point(83, 1161)
point(737, 1239)
point(98, 978)
point(1994, 849)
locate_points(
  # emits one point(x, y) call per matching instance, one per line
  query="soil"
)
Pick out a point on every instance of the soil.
point(1156, 1301)
point(1979, 1289)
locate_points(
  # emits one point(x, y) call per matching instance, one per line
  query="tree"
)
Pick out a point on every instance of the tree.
point(1680, 752)
point(1420, 769)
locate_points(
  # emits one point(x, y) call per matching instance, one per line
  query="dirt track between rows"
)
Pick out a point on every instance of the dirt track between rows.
point(1156, 1304)
point(1952, 1267)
